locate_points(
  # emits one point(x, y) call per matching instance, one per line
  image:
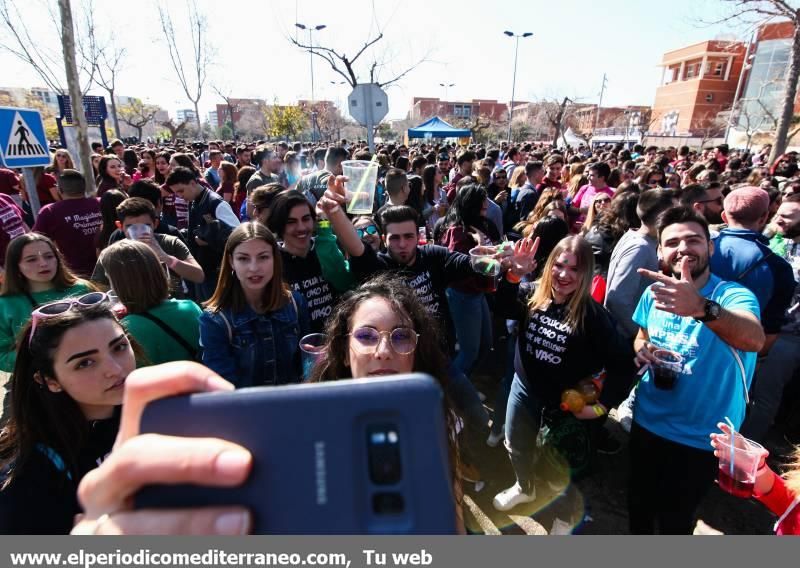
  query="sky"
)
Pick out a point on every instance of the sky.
point(574, 43)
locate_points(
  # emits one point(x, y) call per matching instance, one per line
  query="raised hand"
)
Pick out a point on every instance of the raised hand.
point(522, 261)
point(676, 296)
point(334, 197)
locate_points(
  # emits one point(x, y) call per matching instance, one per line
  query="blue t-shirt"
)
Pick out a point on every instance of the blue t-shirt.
point(710, 387)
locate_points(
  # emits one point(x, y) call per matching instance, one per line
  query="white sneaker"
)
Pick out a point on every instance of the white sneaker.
point(494, 439)
point(513, 496)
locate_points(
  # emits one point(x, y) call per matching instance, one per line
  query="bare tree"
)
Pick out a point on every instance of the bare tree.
point(229, 104)
point(107, 59)
point(556, 114)
point(748, 11)
point(345, 66)
point(137, 115)
point(191, 75)
point(175, 128)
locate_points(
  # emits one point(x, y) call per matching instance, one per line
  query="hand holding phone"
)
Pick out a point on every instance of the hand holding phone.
point(137, 460)
point(342, 457)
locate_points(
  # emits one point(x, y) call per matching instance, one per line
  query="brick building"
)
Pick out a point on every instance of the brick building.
point(423, 108)
point(698, 82)
point(237, 109)
point(609, 117)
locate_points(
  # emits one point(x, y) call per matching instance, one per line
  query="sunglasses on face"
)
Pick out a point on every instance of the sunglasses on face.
point(402, 340)
point(368, 230)
point(62, 306)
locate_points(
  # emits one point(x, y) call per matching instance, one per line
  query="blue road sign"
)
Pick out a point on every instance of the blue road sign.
point(23, 143)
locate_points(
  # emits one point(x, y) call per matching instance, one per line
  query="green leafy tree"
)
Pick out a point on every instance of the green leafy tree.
point(285, 121)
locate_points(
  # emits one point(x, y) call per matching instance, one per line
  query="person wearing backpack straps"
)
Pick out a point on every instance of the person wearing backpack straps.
point(251, 328)
point(742, 254)
point(166, 328)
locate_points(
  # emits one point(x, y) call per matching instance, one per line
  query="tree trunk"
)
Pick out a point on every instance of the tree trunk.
point(197, 118)
point(139, 132)
point(787, 112)
point(76, 98)
point(114, 117)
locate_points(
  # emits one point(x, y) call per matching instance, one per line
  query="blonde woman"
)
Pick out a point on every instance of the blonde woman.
point(564, 337)
point(61, 161)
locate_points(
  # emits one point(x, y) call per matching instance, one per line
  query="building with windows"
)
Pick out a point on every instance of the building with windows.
point(698, 83)
point(186, 115)
point(423, 108)
point(760, 104)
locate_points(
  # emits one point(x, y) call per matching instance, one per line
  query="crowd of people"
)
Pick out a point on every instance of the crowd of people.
point(581, 267)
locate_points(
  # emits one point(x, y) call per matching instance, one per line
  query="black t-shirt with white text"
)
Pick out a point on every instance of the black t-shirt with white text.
point(434, 269)
point(553, 355)
point(304, 275)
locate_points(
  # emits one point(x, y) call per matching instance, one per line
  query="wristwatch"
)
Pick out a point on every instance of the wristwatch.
point(711, 311)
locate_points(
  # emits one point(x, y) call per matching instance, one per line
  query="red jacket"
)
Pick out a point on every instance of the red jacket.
point(785, 504)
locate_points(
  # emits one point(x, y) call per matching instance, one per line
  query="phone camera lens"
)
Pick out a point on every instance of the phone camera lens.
point(383, 449)
point(388, 503)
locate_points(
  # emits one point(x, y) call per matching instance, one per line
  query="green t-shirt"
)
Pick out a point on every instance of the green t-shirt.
point(182, 316)
point(15, 311)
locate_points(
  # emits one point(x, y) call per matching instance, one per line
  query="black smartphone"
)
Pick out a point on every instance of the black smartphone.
point(364, 456)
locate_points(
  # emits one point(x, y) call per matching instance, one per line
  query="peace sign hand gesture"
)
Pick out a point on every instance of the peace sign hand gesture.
point(676, 296)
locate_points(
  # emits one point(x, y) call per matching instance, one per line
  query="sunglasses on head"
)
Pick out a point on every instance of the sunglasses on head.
point(368, 230)
point(62, 306)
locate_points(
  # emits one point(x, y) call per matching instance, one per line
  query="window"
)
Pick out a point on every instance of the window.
point(691, 70)
point(718, 69)
point(709, 98)
point(467, 111)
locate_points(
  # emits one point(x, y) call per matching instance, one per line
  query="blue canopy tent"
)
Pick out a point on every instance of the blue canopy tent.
point(438, 128)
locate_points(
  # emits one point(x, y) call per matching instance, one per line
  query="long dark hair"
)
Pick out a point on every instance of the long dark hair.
point(229, 293)
point(429, 181)
point(108, 210)
point(37, 415)
point(102, 170)
point(160, 178)
point(466, 208)
point(14, 281)
point(130, 160)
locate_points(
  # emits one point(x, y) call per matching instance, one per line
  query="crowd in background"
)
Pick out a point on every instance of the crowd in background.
point(231, 254)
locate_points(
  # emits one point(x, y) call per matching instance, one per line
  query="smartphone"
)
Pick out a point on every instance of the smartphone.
point(363, 456)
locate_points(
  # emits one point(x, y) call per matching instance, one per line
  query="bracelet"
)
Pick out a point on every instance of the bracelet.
point(598, 409)
point(512, 278)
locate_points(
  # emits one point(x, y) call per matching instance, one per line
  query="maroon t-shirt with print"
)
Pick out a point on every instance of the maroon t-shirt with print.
point(11, 224)
point(73, 224)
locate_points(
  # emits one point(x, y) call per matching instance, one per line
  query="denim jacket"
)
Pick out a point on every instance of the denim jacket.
point(251, 349)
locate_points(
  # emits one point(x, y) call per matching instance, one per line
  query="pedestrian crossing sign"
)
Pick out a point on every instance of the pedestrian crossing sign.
point(22, 140)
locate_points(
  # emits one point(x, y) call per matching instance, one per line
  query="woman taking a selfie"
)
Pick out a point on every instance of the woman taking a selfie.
point(167, 329)
point(564, 337)
point(35, 275)
point(251, 328)
point(66, 389)
point(380, 328)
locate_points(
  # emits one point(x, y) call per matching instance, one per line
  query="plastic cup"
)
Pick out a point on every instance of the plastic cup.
point(738, 464)
point(666, 369)
point(138, 230)
point(362, 177)
point(483, 261)
point(312, 347)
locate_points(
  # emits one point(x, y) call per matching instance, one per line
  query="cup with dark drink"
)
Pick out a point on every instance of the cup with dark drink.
point(666, 368)
point(484, 261)
point(739, 459)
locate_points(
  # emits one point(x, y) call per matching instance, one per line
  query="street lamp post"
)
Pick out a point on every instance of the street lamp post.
point(311, 52)
point(514, 80)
